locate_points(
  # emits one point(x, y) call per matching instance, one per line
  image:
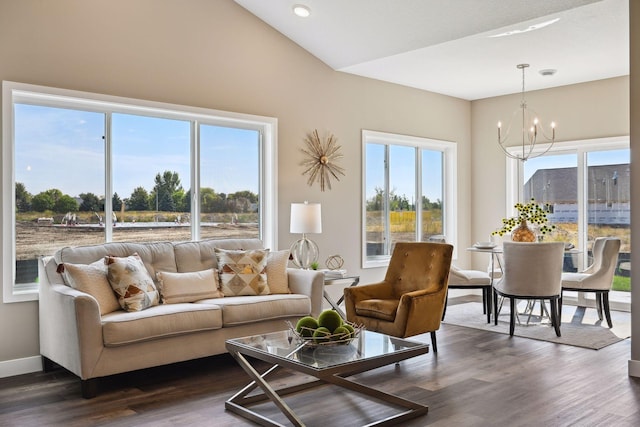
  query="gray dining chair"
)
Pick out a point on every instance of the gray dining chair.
point(532, 271)
point(598, 277)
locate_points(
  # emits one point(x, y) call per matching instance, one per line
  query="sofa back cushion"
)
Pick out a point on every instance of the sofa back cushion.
point(157, 256)
point(92, 279)
point(198, 256)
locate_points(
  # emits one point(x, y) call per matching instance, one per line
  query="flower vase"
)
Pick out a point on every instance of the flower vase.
point(523, 233)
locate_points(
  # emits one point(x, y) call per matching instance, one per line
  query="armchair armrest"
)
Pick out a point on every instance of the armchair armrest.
point(70, 325)
point(355, 294)
point(424, 308)
point(310, 283)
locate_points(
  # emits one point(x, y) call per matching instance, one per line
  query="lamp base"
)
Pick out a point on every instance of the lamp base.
point(304, 253)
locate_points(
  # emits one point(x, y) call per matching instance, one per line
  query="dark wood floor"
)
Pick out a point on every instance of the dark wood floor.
point(477, 379)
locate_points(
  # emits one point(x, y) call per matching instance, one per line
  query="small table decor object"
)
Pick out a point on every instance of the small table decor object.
point(532, 213)
point(311, 337)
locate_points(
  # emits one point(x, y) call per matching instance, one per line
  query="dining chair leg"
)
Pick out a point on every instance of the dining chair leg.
point(484, 300)
point(555, 319)
point(489, 299)
point(599, 305)
point(495, 307)
point(607, 311)
point(512, 315)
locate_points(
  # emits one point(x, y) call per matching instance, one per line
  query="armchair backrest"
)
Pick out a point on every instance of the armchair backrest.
point(532, 269)
point(419, 266)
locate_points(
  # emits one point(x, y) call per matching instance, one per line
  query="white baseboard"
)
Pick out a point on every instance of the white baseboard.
point(10, 368)
point(634, 368)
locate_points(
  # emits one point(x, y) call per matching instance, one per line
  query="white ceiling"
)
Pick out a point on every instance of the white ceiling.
point(445, 46)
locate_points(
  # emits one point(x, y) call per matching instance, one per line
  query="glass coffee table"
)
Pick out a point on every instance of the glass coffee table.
point(331, 364)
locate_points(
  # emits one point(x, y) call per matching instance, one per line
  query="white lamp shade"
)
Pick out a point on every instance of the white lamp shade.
point(306, 218)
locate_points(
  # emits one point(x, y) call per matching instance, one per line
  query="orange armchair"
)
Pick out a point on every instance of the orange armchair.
point(411, 298)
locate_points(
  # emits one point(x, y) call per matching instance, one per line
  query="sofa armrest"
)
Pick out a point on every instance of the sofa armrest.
point(70, 325)
point(310, 283)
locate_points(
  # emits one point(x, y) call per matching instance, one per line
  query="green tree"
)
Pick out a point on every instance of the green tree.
point(23, 198)
point(166, 185)
point(116, 202)
point(90, 203)
point(65, 203)
point(139, 200)
point(45, 200)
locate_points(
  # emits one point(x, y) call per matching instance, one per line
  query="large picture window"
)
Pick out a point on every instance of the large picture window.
point(408, 187)
point(587, 186)
point(81, 168)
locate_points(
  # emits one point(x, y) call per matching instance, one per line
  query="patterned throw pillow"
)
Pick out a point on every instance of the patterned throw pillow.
point(91, 279)
point(277, 279)
point(131, 282)
point(243, 272)
point(188, 287)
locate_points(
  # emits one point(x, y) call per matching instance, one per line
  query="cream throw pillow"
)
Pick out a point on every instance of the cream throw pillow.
point(92, 279)
point(188, 287)
point(277, 279)
point(243, 272)
point(131, 282)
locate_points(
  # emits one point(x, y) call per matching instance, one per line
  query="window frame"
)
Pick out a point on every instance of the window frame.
point(515, 174)
point(449, 178)
point(13, 92)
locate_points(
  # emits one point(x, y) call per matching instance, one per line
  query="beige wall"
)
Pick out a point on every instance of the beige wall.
point(214, 54)
point(590, 110)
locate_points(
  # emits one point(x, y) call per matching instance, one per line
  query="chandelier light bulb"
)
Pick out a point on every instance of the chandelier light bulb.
point(529, 130)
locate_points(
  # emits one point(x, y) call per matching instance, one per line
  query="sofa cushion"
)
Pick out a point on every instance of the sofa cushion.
point(188, 287)
point(131, 282)
point(121, 327)
point(198, 256)
point(91, 279)
point(243, 272)
point(248, 309)
point(277, 279)
point(156, 256)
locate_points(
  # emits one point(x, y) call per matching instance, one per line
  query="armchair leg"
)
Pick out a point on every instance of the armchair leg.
point(607, 312)
point(434, 344)
point(446, 301)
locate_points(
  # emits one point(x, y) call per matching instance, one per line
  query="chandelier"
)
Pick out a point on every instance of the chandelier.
point(531, 129)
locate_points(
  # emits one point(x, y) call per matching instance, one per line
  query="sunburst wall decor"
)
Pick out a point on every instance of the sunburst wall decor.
point(321, 156)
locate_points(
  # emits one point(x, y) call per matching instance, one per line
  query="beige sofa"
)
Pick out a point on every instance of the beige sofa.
point(75, 335)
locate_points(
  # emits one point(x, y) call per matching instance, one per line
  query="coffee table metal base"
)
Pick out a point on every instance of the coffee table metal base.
point(240, 402)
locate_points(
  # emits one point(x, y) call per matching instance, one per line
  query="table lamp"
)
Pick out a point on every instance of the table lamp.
point(305, 218)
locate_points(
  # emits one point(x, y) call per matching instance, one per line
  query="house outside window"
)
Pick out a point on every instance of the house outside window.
point(82, 168)
point(409, 185)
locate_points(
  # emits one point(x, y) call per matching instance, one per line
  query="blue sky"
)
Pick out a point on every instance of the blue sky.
point(64, 149)
point(402, 171)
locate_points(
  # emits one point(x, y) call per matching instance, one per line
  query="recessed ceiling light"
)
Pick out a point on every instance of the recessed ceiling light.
point(526, 30)
point(548, 72)
point(301, 10)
